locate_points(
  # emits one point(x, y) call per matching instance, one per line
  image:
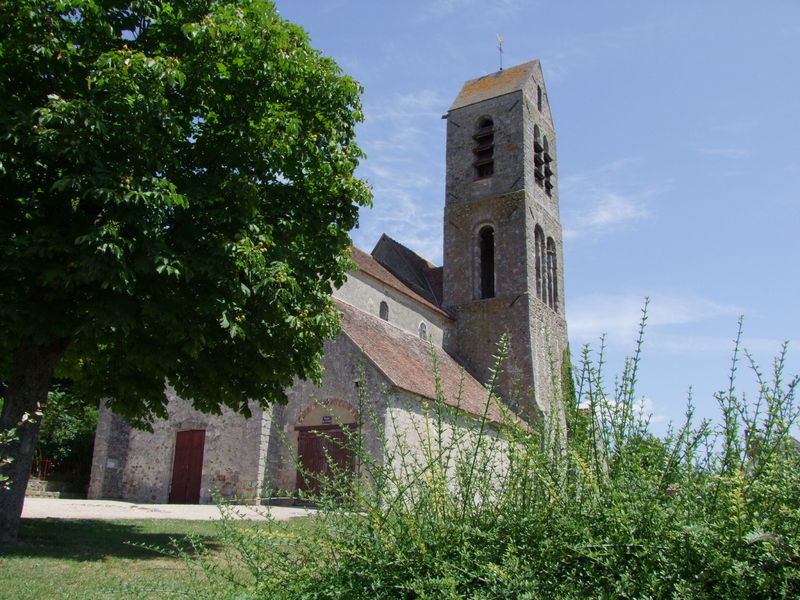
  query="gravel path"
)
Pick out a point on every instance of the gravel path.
point(58, 508)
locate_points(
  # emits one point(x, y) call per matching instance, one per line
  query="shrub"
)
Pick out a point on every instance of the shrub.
point(600, 508)
point(68, 426)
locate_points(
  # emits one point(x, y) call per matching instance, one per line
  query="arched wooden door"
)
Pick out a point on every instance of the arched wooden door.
point(187, 467)
point(322, 451)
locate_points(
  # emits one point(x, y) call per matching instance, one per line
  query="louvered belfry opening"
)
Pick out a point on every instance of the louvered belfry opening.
point(484, 148)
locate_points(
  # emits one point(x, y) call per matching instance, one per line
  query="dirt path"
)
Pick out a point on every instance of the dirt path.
point(57, 508)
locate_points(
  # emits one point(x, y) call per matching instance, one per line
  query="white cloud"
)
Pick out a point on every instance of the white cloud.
point(644, 407)
point(405, 171)
point(419, 103)
point(397, 142)
point(726, 152)
point(595, 315)
point(617, 316)
point(403, 211)
point(647, 409)
point(720, 345)
point(598, 211)
point(737, 127)
point(592, 47)
point(604, 199)
point(442, 8)
point(607, 211)
point(590, 176)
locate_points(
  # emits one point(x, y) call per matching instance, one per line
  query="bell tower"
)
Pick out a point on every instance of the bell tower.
point(503, 259)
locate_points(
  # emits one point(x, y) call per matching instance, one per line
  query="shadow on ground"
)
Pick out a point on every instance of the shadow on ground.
point(95, 540)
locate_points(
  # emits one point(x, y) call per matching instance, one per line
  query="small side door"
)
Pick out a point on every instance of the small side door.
point(187, 467)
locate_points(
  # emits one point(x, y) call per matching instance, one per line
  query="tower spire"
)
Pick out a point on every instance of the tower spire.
point(500, 40)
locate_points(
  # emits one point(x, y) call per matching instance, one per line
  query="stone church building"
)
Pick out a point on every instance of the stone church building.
point(502, 274)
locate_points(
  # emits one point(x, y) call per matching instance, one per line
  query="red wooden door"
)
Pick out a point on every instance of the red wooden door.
point(322, 452)
point(187, 468)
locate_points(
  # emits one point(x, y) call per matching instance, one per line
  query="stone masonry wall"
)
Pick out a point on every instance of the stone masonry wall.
point(345, 370)
point(509, 172)
point(513, 203)
point(364, 293)
point(415, 435)
point(136, 465)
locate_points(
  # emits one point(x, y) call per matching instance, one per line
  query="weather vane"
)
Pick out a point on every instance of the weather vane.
point(500, 40)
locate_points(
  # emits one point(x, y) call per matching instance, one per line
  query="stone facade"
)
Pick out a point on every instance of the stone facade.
point(131, 464)
point(337, 397)
point(501, 275)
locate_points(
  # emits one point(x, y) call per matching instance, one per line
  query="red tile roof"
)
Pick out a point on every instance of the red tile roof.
point(495, 84)
point(406, 361)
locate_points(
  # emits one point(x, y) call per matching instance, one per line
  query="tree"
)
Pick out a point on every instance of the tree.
point(66, 436)
point(176, 191)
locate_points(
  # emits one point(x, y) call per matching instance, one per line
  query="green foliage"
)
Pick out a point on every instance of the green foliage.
point(68, 427)
point(609, 511)
point(176, 188)
point(7, 437)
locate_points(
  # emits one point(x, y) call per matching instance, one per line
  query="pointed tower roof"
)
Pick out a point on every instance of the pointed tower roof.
point(497, 84)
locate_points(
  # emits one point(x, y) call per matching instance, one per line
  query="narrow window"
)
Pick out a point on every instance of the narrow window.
point(538, 156)
point(423, 331)
point(552, 274)
point(539, 261)
point(548, 171)
point(539, 98)
point(486, 241)
point(383, 311)
point(484, 149)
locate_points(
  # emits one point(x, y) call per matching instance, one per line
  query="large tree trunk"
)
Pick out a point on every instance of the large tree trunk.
point(31, 375)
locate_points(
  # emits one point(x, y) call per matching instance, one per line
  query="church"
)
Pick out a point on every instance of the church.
point(502, 274)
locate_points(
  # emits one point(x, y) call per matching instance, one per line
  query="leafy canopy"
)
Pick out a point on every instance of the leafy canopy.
point(176, 188)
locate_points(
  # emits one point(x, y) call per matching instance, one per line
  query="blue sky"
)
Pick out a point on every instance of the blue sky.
point(679, 160)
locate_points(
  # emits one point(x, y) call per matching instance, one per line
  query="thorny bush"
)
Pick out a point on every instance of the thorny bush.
point(600, 508)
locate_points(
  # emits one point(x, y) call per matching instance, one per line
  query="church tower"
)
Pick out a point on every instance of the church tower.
point(503, 259)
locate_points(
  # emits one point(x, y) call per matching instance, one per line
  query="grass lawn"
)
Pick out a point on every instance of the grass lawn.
point(90, 559)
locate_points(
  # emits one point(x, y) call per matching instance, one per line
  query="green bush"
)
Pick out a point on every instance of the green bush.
point(66, 436)
point(600, 508)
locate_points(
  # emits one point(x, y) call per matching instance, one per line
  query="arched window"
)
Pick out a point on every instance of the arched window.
point(552, 274)
point(539, 97)
point(484, 148)
point(538, 156)
point(423, 331)
point(548, 171)
point(383, 311)
point(486, 242)
point(539, 261)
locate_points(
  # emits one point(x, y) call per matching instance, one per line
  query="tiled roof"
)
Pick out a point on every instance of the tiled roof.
point(367, 264)
point(419, 274)
point(495, 84)
point(406, 361)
